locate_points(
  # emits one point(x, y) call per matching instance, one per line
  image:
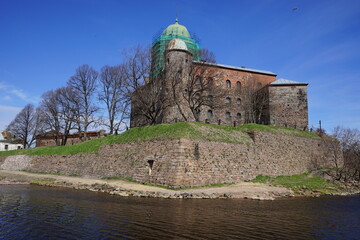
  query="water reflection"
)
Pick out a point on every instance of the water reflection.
point(54, 213)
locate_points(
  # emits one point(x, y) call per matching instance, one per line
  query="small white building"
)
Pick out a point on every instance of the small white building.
point(8, 143)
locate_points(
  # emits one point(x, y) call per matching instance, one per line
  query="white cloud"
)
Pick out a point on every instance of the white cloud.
point(7, 114)
point(7, 98)
point(17, 93)
point(3, 85)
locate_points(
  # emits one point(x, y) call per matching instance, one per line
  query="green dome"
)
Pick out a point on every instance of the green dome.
point(176, 29)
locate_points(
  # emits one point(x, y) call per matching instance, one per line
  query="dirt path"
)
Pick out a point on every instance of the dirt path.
point(125, 188)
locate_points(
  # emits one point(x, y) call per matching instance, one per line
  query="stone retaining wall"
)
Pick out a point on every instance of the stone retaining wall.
point(185, 163)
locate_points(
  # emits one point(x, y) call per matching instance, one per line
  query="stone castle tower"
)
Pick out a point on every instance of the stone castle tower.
point(183, 88)
point(160, 45)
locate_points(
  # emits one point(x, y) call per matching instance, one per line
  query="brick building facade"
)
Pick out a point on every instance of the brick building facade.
point(49, 138)
point(191, 90)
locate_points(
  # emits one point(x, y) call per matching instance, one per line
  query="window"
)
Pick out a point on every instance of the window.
point(197, 96)
point(238, 101)
point(228, 115)
point(228, 84)
point(227, 100)
point(238, 115)
point(210, 81)
point(211, 98)
point(198, 80)
point(150, 165)
point(238, 85)
point(210, 113)
point(179, 74)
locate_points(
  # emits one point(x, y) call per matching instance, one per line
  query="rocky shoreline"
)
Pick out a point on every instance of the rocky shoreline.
point(7, 182)
point(254, 191)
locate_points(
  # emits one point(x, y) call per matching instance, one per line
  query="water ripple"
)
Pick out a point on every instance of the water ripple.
point(34, 212)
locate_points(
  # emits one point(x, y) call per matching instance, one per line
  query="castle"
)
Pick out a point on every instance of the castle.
point(184, 87)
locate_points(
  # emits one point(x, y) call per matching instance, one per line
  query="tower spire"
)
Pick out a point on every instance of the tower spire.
point(177, 10)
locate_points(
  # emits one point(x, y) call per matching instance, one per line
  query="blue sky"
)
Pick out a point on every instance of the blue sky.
point(43, 42)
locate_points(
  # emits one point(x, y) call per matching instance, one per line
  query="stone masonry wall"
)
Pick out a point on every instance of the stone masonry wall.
point(288, 106)
point(186, 163)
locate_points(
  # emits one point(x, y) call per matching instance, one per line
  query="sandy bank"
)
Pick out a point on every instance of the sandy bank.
point(124, 188)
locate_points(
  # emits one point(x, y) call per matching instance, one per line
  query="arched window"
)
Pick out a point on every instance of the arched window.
point(210, 113)
point(228, 115)
point(238, 101)
point(238, 85)
point(238, 115)
point(228, 100)
point(150, 165)
point(228, 84)
point(197, 96)
point(197, 80)
point(179, 73)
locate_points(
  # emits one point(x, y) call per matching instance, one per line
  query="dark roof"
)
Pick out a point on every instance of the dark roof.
point(237, 68)
point(282, 81)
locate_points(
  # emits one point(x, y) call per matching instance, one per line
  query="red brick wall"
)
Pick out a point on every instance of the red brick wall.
point(235, 75)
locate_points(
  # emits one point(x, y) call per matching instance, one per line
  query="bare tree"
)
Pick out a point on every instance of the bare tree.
point(149, 102)
point(207, 55)
point(142, 91)
point(59, 110)
point(26, 125)
point(51, 114)
point(195, 88)
point(84, 83)
point(137, 67)
point(186, 88)
point(350, 142)
point(113, 93)
point(254, 99)
point(68, 102)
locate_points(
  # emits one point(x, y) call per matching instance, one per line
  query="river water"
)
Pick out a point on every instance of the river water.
point(35, 212)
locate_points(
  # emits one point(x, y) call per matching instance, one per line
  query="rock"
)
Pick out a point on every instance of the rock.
point(262, 198)
point(123, 194)
point(185, 195)
point(227, 195)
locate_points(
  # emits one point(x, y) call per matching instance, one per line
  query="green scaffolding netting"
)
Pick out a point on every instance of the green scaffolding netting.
point(160, 45)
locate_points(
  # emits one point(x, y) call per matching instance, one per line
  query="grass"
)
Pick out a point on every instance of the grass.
point(299, 183)
point(75, 175)
point(43, 181)
point(188, 130)
point(120, 178)
point(50, 173)
point(278, 130)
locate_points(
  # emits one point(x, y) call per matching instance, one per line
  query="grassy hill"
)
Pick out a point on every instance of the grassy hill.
point(188, 130)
